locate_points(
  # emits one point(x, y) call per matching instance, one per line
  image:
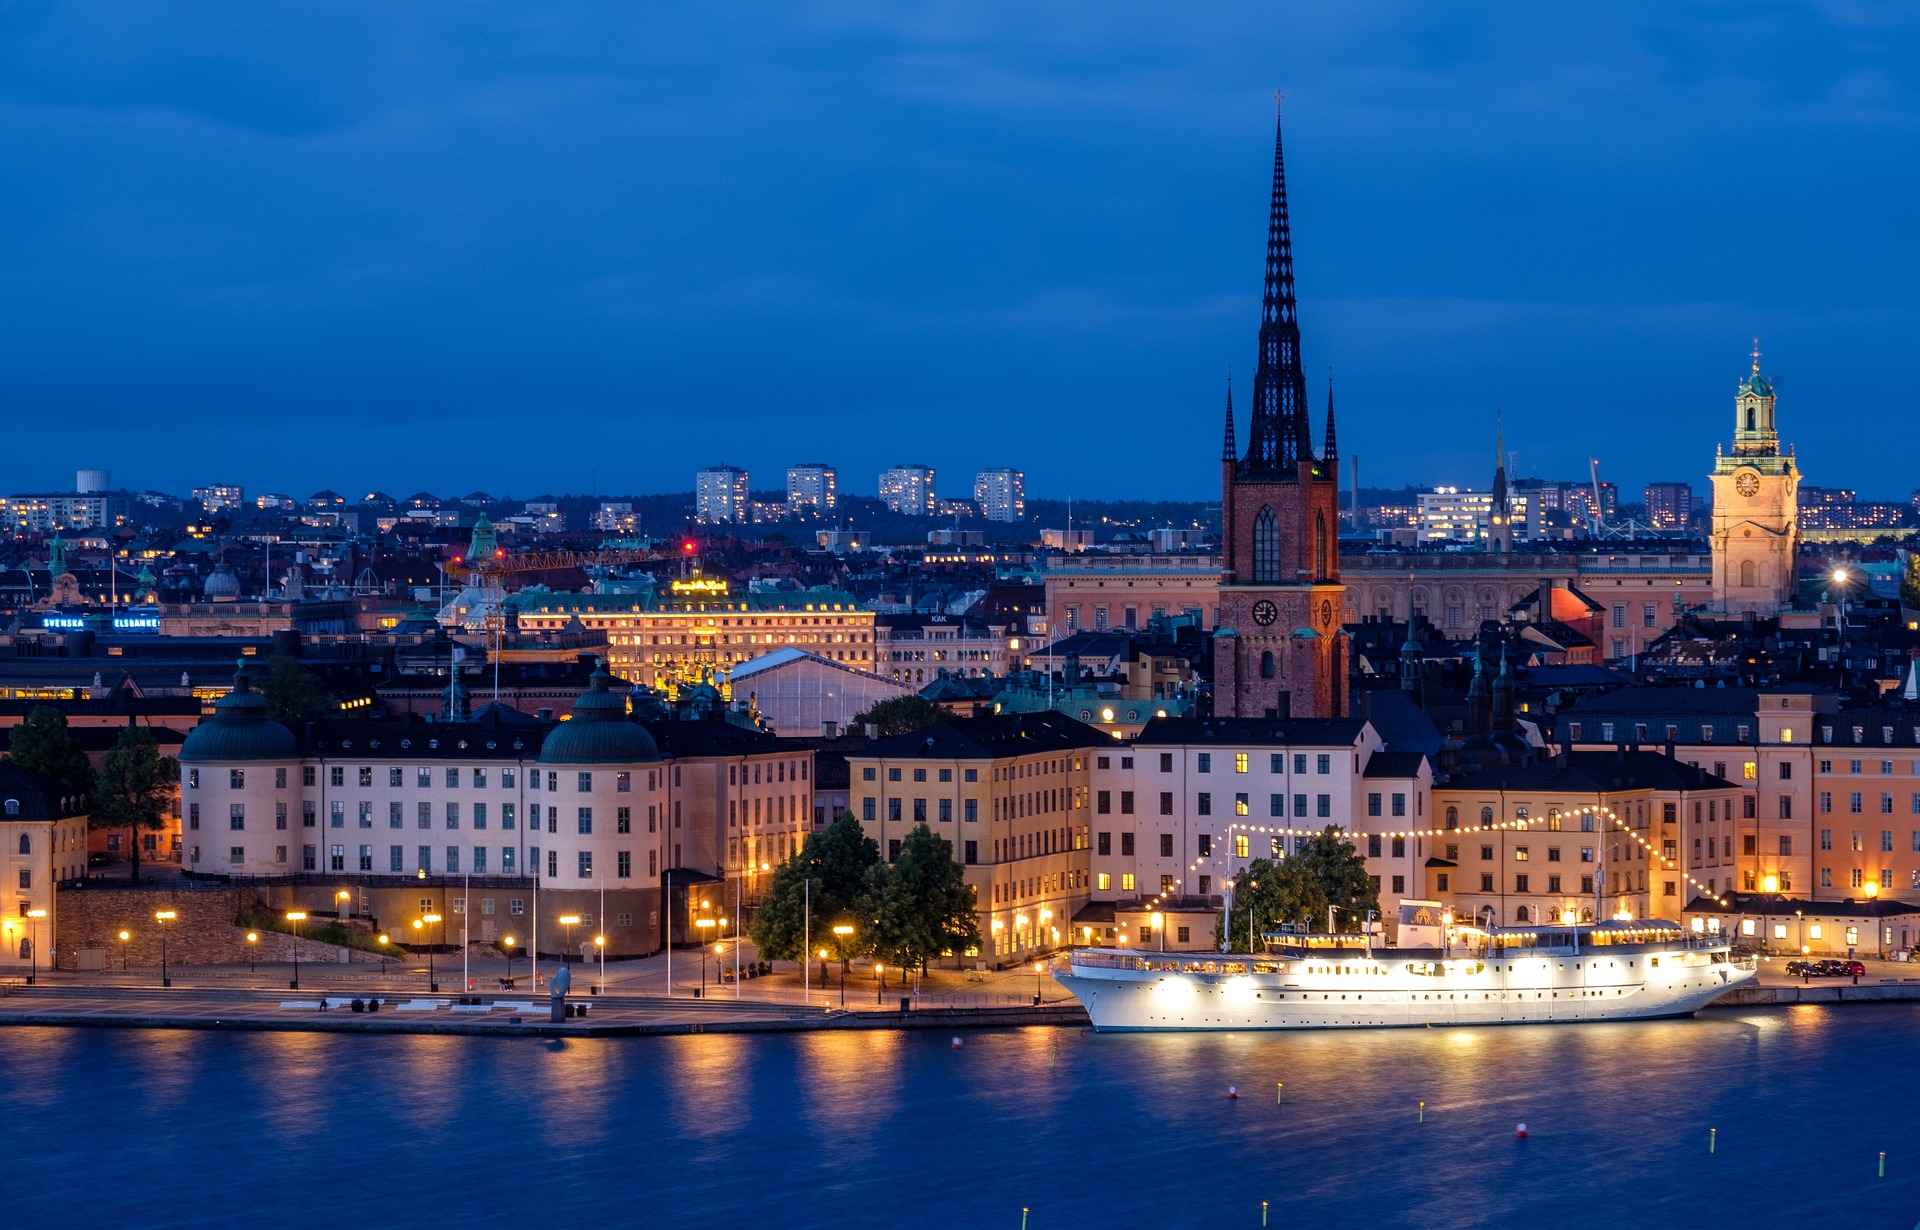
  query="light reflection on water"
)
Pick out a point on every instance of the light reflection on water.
point(856, 1129)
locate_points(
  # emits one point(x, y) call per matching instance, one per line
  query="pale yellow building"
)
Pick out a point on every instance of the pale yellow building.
point(1756, 512)
point(43, 841)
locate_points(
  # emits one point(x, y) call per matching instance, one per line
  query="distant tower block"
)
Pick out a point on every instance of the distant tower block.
point(91, 482)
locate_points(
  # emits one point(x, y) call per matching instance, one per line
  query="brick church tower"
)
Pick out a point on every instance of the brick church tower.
point(1280, 650)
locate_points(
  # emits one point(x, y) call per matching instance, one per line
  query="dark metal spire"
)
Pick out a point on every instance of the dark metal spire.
point(1330, 454)
point(1277, 436)
point(1230, 452)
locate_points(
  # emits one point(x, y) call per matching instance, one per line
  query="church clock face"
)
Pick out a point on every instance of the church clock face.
point(1747, 483)
point(1326, 613)
point(1264, 612)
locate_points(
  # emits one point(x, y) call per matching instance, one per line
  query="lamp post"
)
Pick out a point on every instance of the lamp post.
point(383, 939)
point(343, 904)
point(569, 921)
point(126, 940)
point(34, 916)
point(878, 969)
point(296, 917)
point(705, 925)
point(842, 932)
point(1039, 974)
point(1153, 920)
point(163, 917)
point(253, 938)
point(424, 921)
point(600, 943)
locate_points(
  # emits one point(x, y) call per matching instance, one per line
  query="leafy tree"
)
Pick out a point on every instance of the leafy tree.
point(1910, 582)
point(293, 693)
point(1326, 870)
point(900, 715)
point(921, 906)
point(837, 860)
point(43, 744)
point(133, 788)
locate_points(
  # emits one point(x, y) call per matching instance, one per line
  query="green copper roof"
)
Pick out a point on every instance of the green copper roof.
point(599, 732)
point(240, 728)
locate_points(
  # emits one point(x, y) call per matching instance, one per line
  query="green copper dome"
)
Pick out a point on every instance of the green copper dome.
point(1757, 385)
point(240, 728)
point(599, 732)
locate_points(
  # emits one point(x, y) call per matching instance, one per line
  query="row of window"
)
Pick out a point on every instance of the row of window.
point(1856, 841)
point(477, 860)
point(477, 818)
point(1856, 803)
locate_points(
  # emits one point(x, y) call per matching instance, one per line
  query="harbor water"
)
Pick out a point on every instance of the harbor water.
point(881, 1129)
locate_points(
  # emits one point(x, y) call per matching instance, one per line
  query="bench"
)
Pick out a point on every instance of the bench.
point(306, 1005)
point(420, 1005)
point(470, 1009)
point(513, 1005)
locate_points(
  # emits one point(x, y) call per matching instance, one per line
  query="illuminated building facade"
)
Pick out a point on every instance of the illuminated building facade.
point(1001, 494)
point(702, 624)
point(1756, 512)
point(908, 490)
point(720, 495)
point(1669, 505)
point(813, 487)
point(220, 497)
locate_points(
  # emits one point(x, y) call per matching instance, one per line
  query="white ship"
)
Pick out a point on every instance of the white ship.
point(1437, 974)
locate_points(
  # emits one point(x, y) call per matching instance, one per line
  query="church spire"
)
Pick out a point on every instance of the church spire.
point(1229, 452)
point(1330, 454)
point(1277, 440)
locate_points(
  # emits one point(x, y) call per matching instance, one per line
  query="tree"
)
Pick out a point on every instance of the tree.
point(42, 744)
point(1910, 582)
point(837, 860)
point(294, 694)
point(921, 906)
point(1326, 871)
point(900, 715)
point(133, 788)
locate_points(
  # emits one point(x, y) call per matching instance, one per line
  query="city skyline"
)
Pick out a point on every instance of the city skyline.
point(1110, 211)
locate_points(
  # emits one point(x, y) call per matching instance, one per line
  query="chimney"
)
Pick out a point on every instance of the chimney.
point(829, 728)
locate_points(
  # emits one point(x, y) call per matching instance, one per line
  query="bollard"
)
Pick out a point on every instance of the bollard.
point(1423, 1110)
point(1713, 1138)
point(1883, 1166)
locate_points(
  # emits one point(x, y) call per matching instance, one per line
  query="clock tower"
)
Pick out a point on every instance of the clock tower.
point(1756, 507)
point(1280, 649)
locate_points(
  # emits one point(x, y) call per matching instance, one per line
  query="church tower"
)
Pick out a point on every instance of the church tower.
point(1280, 650)
point(1756, 507)
point(1500, 514)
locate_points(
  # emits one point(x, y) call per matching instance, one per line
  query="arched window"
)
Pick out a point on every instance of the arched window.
point(26, 844)
point(1751, 411)
point(1749, 575)
point(1266, 546)
point(1266, 665)
point(1320, 568)
point(1453, 817)
point(13, 807)
point(1523, 914)
point(1586, 915)
point(1486, 815)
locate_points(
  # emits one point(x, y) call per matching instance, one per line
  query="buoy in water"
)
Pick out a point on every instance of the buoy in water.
point(956, 1044)
point(1233, 1093)
point(1519, 1131)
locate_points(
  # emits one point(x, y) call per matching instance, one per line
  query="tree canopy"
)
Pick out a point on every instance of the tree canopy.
point(900, 715)
point(1326, 871)
point(837, 860)
point(294, 694)
point(43, 744)
point(134, 788)
point(921, 906)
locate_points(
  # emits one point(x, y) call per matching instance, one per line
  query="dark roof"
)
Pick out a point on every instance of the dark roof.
point(97, 739)
point(489, 738)
point(712, 737)
point(1657, 702)
point(1437, 861)
point(1313, 732)
point(33, 796)
point(1395, 764)
point(1400, 721)
point(1094, 913)
point(1592, 773)
point(1772, 905)
point(991, 736)
point(1870, 728)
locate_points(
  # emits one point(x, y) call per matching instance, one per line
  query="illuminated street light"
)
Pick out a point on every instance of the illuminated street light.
point(162, 917)
point(126, 941)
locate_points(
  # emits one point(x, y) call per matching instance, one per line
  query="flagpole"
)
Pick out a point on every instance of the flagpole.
point(466, 912)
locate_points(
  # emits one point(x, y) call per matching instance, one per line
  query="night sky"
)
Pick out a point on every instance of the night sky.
point(590, 247)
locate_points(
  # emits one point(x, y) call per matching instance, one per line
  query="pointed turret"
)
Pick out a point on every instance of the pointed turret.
point(1229, 452)
point(1277, 440)
point(1330, 454)
point(1500, 502)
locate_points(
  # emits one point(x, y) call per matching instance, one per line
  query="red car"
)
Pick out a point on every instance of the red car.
point(1855, 969)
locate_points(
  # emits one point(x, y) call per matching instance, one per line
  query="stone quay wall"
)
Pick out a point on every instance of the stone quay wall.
point(88, 922)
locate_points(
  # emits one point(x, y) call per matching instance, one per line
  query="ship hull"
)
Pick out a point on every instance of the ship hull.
point(1142, 1001)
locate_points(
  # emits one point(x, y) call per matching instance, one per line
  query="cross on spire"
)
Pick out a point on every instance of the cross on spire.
point(1756, 356)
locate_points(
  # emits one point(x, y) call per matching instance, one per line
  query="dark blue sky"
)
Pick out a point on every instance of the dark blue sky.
point(568, 246)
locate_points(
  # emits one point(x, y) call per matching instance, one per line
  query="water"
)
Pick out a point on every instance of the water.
point(860, 1129)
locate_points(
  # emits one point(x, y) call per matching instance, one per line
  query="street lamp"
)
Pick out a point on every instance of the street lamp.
point(1039, 973)
point(253, 938)
point(569, 921)
point(420, 924)
point(842, 932)
point(506, 946)
point(343, 896)
point(33, 945)
point(383, 939)
point(296, 917)
point(126, 940)
point(705, 925)
point(1153, 920)
point(878, 969)
point(163, 917)
point(600, 942)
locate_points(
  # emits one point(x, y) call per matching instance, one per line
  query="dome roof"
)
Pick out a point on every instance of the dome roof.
point(240, 728)
point(221, 583)
point(1757, 385)
point(599, 732)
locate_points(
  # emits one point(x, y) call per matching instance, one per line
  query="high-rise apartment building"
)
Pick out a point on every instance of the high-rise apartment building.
point(812, 488)
point(220, 497)
point(907, 490)
point(720, 494)
point(616, 517)
point(1669, 505)
point(1456, 514)
point(1001, 494)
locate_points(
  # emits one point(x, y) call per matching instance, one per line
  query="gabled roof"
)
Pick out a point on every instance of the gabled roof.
point(1394, 764)
point(34, 796)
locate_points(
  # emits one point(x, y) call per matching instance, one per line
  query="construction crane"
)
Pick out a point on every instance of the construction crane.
point(503, 563)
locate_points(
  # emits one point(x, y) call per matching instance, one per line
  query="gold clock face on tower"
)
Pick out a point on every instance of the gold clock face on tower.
point(1264, 612)
point(1747, 483)
point(1326, 612)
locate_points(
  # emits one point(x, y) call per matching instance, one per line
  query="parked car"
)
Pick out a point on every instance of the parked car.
point(1801, 969)
point(1854, 969)
point(1831, 968)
